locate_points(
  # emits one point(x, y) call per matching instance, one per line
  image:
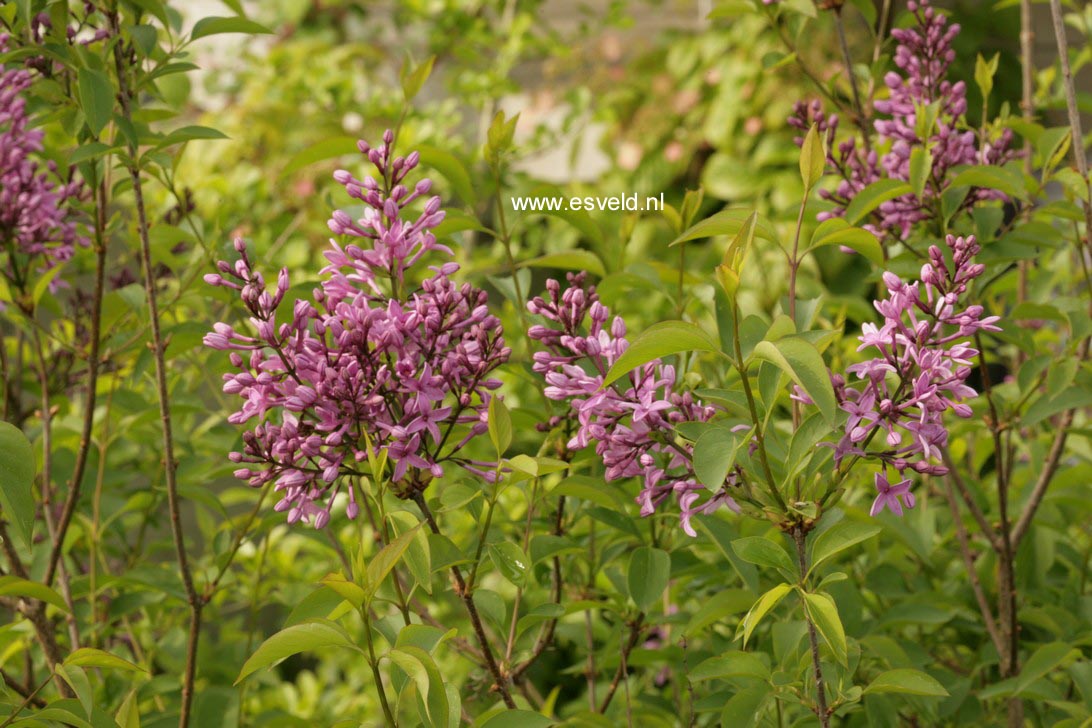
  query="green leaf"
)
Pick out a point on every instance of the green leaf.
point(89, 657)
point(649, 571)
point(81, 686)
point(17, 480)
point(837, 231)
point(448, 165)
point(570, 260)
point(764, 552)
point(330, 148)
point(824, 613)
point(383, 562)
point(518, 719)
point(307, 636)
point(984, 72)
point(907, 681)
point(658, 341)
point(422, 669)
point(1042, 661)
point(714, 455)
point(921, 166)
point(189, 133)
point(412, 81)
point(873, 196)
point(96, 95)
point(726, 222)
point(813, 158)
point(804, 364)
point(500, 425)
point(991, 177)
point(731, 664)
point(744, 709)
point(347, 590)
point(217, 25)
point(510, 561)
point(761, 607)
point(839, 537)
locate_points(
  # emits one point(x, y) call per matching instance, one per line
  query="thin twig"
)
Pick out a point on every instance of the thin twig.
point(163, 394)
point(621, 672)
point(500, 681)
point(799, 538)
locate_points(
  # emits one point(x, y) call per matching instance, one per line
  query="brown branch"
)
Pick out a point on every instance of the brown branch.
point(92, 385)
point(799, 538)
point(158, 347)
point(972, 573)
point(500, 681)
point(621, 672)
point(988, 531)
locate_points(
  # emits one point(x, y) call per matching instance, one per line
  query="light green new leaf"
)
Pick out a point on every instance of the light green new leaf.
point(1042, 661)
point(347, 590)
point(13, 586)
point(89, 657)
point(921, 166)
point(726, 222)
point(733, 663)
point(837, 231)
point(839, 537)
point(908, 682)
point(510, 561)
point(660, 340)
point(216, 25)
point(17, 480)
point(570, 260)
point(992, 177)
point(824, 613)
point(500, 425)
point(765, 603)
point(306, 636)
point(714, 455)
point(813, 158)
point(96, 95)
point(649, 571)
point(804, 364)
point(388, 556)
point(422, 669)
point(764, 552)
point(412, 81)
point(873, 196)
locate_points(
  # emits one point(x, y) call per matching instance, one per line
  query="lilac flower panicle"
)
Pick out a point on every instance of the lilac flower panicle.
point(923, 57)
point(35, 212)
point(923, 359)
point(631, 422)
point(372, 360)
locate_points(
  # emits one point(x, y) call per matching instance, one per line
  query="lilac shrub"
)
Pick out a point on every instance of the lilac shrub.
point(920, 373)
point(631, 424)
point(36, 224)
point(376, 361)
point(918, 91)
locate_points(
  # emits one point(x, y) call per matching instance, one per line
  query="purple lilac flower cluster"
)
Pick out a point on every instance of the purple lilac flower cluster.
point(35, 223)
point(923, 57)
point(921, 372)
point(372, 362)
point(632, 421)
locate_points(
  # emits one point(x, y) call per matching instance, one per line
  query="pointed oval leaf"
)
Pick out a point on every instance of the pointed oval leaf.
point(510, 561)
point(714, 455)
point(310, 635)
point(216, 25)
point(649, 571)
point(764, 552)
point(17, 480)
point(660, 340)
point(96, 95)
point(804, 364)
point(824, 613)
point(733, 663)
point(873, 196)
point(422, 669)
point(13, 586)
point(908, 682)
point(765, 603)
point(382, 563)
point(89, 657)
point(840, 537)
point(813, 158)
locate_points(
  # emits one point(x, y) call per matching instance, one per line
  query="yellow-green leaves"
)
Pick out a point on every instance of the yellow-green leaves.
point(908, 682)
point(313, 634)
point(984, 71)
point(660, 340)
point(765, 603)
point(499, 138)
point(414, 78)
point(500, 425)
point(813, 158)
point(824, 615)
point(839, 537)
point(804, 364)
point(731, 265)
